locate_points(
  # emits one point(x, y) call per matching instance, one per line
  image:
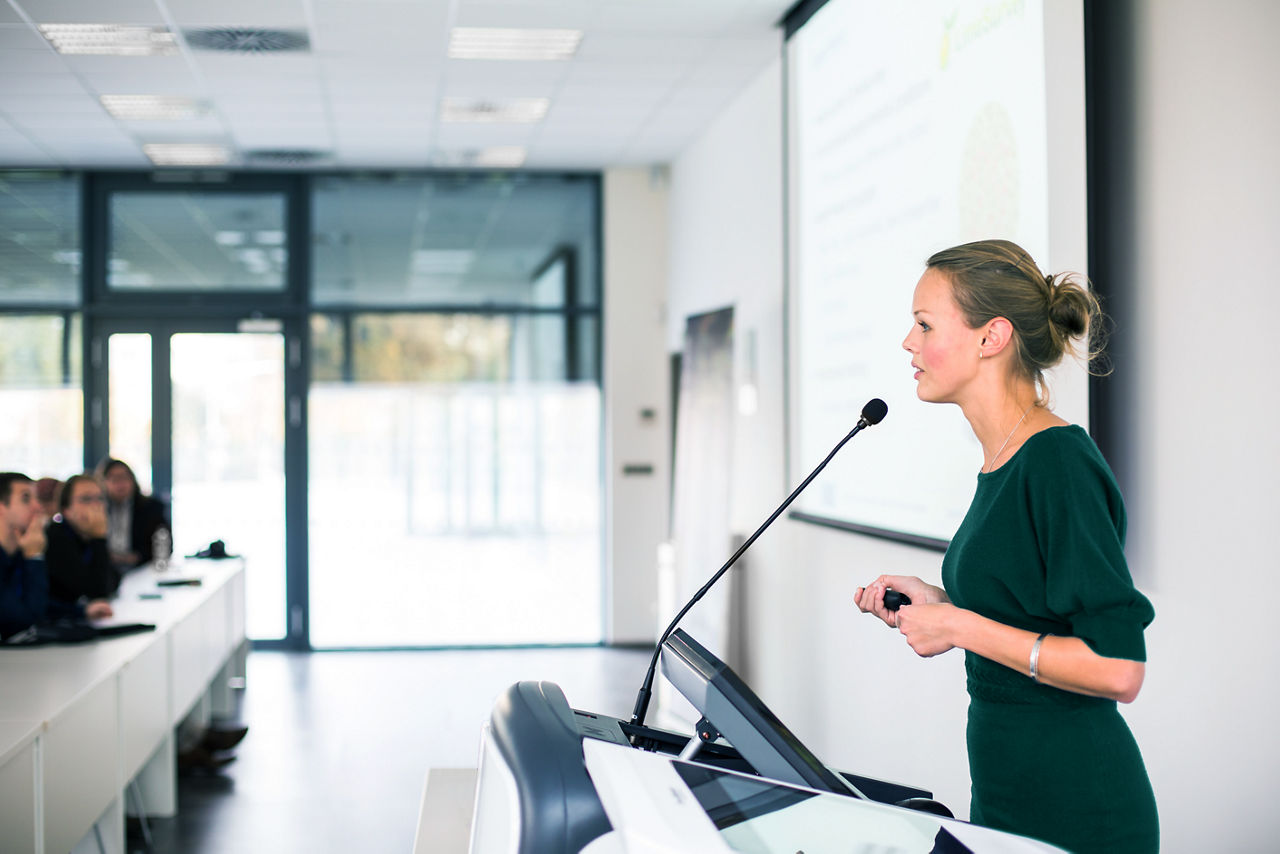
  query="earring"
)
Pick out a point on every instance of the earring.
point(979, 354)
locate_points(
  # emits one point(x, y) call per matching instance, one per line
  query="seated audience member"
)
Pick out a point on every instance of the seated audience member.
point(24, 587)
point(132, 518)
point(76, 554)
point(47, 489)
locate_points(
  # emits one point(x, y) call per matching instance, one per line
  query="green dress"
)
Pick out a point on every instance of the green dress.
point(1042, 549)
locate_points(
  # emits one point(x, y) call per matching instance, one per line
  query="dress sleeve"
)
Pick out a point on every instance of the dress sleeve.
point(1080, 524)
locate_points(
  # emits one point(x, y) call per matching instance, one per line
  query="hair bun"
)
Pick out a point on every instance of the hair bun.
point(1070, 306)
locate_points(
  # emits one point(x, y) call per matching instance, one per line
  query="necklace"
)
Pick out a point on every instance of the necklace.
point(1010, 436)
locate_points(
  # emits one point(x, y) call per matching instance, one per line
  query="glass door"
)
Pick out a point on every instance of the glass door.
point(198, 411)
point(227, 428)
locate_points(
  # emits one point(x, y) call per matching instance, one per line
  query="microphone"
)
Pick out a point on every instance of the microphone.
point(873, 413)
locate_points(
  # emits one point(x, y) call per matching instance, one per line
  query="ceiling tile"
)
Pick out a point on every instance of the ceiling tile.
point(138, 66)
point(277, 85)
point(480, 74)
point(21, 37)
point(218, 64)
point(636, 49)
point(264, 105)
point(207, 126)
point(52, 136)
point(649, 74)
point(43, 84)
point(17, 151)
point(624, 76)
point(669, 16)
point(388, 115)
point(20, 103)
point(93, 12)
point(374, 88)
point(558, 16)
point(283, 138)
point(30, 62)
point(99, 153)
point(481, 136)
point(73, 124)
point(173, 80)
point(381, 29)
point(238, 14)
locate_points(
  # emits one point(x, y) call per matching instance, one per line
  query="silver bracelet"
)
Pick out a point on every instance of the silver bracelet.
point(1035, 657)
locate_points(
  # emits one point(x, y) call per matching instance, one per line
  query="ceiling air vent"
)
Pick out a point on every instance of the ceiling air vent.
point(286, 157)
point(229, 40)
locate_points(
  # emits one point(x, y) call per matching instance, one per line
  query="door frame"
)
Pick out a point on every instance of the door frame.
point(163, 313)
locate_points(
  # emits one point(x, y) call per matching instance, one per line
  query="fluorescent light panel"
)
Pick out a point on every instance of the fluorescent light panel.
point(501, 155)
point(186, 153)
point(502, 43)
point(153, 107)
point(110, 39)
point(515, 110)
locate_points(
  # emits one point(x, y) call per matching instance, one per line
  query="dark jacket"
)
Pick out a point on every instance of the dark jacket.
point(78, 567)
point(24, 594)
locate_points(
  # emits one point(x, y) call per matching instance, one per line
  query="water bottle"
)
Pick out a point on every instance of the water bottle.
point(161, 549)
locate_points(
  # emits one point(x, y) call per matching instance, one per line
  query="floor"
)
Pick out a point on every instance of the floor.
point(340, 742)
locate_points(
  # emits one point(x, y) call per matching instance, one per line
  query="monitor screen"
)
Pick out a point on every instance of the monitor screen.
point(743, 718)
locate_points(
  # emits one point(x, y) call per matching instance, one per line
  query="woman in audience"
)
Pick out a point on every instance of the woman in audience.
point(46, 491)
point(132, 518)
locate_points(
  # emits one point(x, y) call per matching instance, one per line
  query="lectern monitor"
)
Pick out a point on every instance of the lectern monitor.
point(743, 718)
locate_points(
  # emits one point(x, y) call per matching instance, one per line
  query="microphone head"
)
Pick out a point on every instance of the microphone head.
point(875, 411)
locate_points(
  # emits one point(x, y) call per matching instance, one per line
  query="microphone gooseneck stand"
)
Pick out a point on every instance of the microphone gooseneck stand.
point(872, 413)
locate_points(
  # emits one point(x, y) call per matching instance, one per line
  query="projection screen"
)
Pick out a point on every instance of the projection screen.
point(912, 127)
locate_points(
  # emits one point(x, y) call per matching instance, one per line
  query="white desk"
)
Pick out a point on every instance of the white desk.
point(79, 722)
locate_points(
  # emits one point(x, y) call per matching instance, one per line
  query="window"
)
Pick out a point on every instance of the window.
point(42, 431)
point(454, 412)
point(39, 239)
point(197, 241)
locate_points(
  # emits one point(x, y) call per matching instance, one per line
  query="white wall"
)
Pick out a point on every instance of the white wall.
point(1205, 416)
point(839, 681)
point(1202, 429)
point(635, 379)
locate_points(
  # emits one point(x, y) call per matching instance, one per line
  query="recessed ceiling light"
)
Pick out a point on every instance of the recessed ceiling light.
point(186, 153)
point(500, 155)
point(153, 107)
point(516, 110)
point(502, 43)
point(494, 157)
point(441, 262)
point(110, 39)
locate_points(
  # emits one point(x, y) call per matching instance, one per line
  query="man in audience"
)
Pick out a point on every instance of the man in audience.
point(76, 554)
point(24, 587)
point(132, 518)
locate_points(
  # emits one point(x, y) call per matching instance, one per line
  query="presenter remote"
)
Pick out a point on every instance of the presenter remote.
point(893, 600)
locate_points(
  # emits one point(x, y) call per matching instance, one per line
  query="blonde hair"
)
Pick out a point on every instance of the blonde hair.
point(1049, 313)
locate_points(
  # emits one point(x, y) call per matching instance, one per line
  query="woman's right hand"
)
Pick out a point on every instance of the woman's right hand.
point(870, 599)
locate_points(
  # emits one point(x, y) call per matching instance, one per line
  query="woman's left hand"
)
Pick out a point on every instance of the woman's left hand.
point(927, 627)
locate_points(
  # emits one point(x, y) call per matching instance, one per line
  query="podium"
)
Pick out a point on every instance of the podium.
point(556, 780)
